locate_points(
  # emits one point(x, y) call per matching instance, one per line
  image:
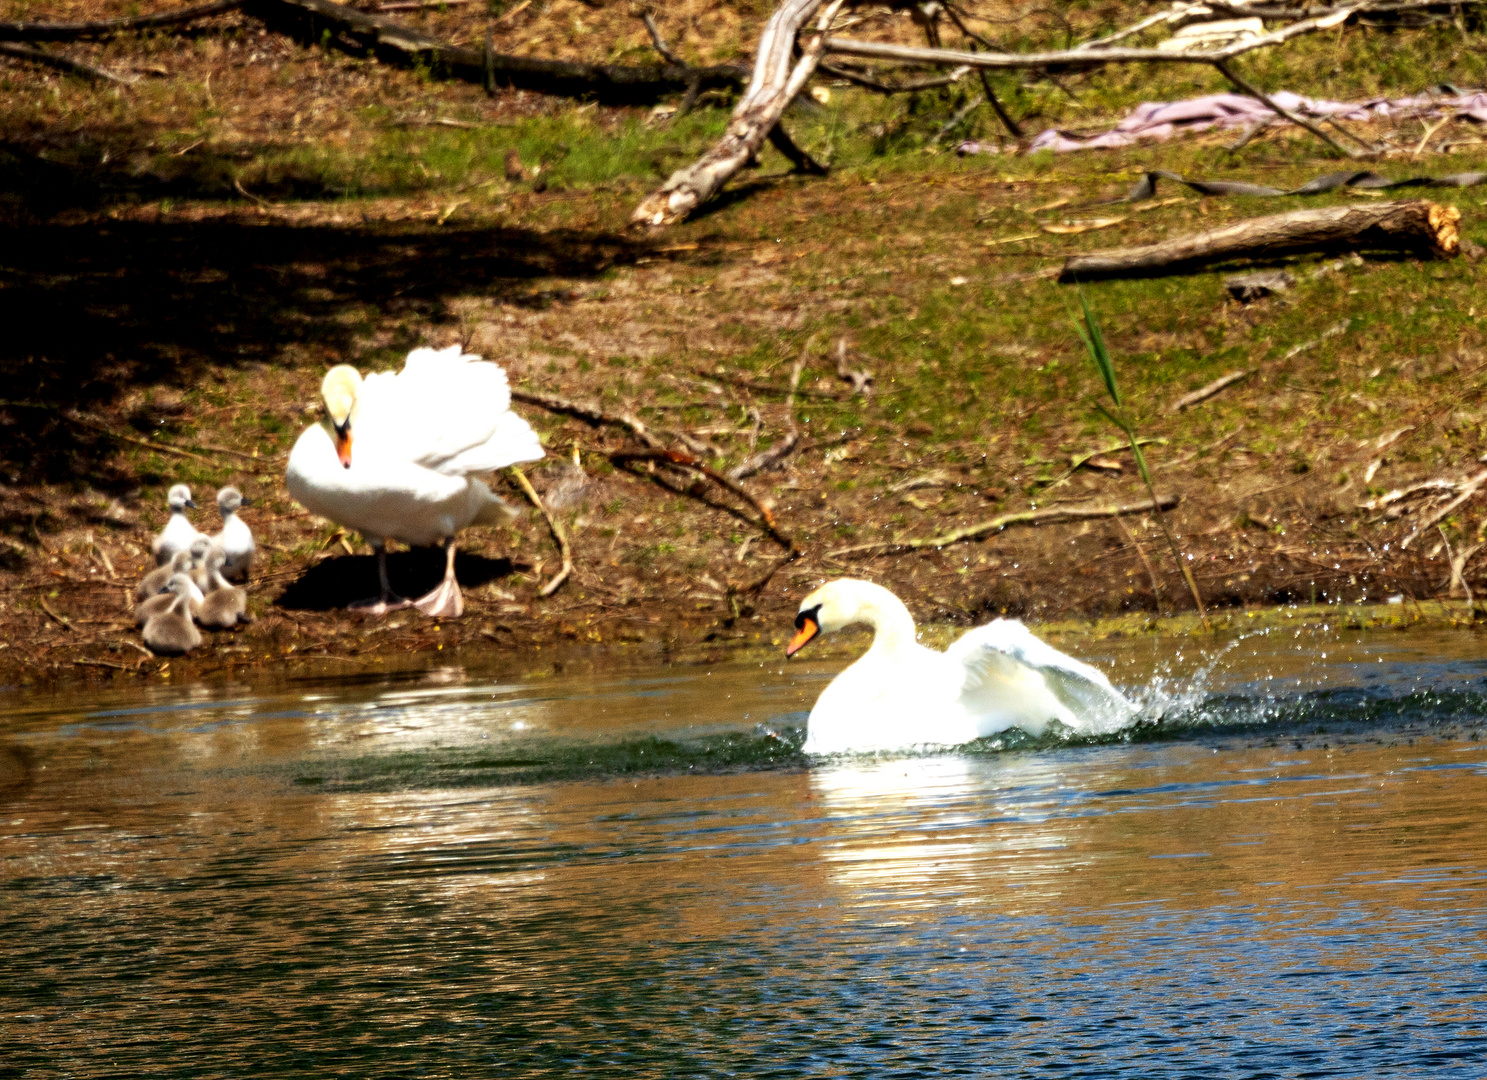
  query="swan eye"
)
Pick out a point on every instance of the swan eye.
point(808, 615)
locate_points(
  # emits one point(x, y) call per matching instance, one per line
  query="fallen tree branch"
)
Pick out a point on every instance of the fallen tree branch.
point(1274, 106)
point(62, 63)
point(776, 79)
point(1053, 515)
point(1203, 393)
point(101, 429)
point(878, 86)
point(589, 414)
point(368, 33)
point(658, 41)
point(553, 527)
point(687, 461)
point(1468, 489)
point(780, 450)
point(775, 82)
point(1414, 227)
point(74, 31)
point(765, 388)
point(1079, 461)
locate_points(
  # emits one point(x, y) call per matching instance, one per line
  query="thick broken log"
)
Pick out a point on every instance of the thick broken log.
point(1414, 227)
point(776, 79)
point(364, 33)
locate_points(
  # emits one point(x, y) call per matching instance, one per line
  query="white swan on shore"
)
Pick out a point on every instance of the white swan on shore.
point(900, 695)
point(398, 455)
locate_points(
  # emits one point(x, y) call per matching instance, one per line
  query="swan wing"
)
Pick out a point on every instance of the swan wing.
point(447, 411)
point(1009, 670)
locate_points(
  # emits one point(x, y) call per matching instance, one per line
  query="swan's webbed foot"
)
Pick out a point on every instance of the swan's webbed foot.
point(380, 605)
point(445, 601)
point(389, 600)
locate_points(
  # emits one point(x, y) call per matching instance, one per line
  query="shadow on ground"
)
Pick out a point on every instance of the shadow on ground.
point(340, 582)
point(96, 312)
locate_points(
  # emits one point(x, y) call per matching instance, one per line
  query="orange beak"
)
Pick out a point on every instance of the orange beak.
point(808, 630)
point(343, 446)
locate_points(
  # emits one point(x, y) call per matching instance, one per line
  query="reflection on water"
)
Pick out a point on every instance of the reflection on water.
point(1277, 883)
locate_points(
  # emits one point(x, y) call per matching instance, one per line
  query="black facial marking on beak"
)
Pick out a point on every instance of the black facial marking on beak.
point(806, 628)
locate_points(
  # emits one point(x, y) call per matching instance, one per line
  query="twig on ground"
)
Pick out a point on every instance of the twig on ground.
point(72, 31)
point(1077, 463)
point(687, 461)
point(557, 534)
point(659, 42)
point(74, 418)
point(781, 449)
point(60, 619)
point(418, 5)
point(590, 414)
point(766, 388)
point(104, 664)
point(62, 63)
point(237, 185)
point(1151, 573)
point(1468, 488)
point(1203, 393)
point(1052, 515)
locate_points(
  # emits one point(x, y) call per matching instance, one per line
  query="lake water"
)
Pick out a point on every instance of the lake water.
point(637, 875)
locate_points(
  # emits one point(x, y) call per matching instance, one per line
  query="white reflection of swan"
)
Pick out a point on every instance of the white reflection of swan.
point(926, 831)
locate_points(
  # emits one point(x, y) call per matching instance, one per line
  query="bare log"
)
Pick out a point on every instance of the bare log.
point(75, 31)
point(777, 78)
point(367, 33)
point(1413, 227)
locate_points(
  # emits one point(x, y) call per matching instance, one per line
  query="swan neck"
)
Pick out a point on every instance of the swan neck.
point(892, 624)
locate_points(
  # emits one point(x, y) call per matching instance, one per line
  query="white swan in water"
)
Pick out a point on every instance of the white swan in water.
point(397, 457)
point(900, 694)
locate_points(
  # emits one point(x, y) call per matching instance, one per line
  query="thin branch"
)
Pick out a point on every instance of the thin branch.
point(766, 388)
point(659, 42)
point(780, 139)
point(780, 450)
point(685, 460)
point(91, 425)
point(986, 87)
point(62, 63)
point(72, 31)
point(553, 527)
point(589, 414)
point(1274, 106)
point(1469, 488)
point(880, 87)
point(1086, 59)
point(1053, 515)
point(1203, 393)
